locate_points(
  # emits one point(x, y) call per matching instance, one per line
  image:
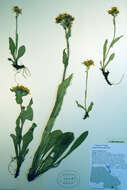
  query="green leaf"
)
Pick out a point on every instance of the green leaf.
point(21, 51)
point(15, 142)
point(46, 165)
point(58, 104)
point(63, 142)
point(9, 59)
point(90, 107)
point(60, 95)
point(51, 140)
point(55, 112)
point(79, 105)
point(78, 141)
point(110, 59)
point(18, 95)
point(75, 145)
point(115, 40)
point(65, 58)
point(28, 113)
point(18, 130)
point(12, 46)
point(27, 138)
point(105, 49)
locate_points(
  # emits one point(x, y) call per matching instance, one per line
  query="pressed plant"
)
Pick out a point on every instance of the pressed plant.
point(88, 64)
point(107, 57)
point(21, 141)
point(53, 146)
point(17, 52)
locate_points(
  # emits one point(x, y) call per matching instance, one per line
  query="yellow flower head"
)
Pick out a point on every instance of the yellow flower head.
point(113, 11)
point(17, 10)
point(65, 20)
point(88, 63)
point(22, 89)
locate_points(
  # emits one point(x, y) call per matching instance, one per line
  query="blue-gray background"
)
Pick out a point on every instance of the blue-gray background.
point(44, 41)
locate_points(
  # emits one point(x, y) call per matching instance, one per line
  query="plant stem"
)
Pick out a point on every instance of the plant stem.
point(19, 162)
point(114, 24)
point(17, 169)
point(114, 33)
point(33, 172)
point(16, 33)
point(68, 54)
point(86, 89)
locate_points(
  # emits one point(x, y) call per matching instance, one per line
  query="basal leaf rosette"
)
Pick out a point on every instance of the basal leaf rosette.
point(20, 91)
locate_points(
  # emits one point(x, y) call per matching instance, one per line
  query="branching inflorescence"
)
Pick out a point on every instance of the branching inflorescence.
point(106, 49)
point(21, 141)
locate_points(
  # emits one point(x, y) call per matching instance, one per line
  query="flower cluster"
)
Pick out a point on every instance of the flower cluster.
point(17, 10)
point(22, 89)
point(65, 20)
point(88, 63)
point(113, 11)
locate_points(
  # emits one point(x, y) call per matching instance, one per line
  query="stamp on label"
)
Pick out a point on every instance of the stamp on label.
point(68, 178)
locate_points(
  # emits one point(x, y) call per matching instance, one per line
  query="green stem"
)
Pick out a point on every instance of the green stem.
point(114, 24)
point(68, 54)
point(19, 162)
point(16, 33)
point(64, 73)
point(114, 33)
point(18, 168)
point(86, 89)
point(35, 164)
point(48, 128)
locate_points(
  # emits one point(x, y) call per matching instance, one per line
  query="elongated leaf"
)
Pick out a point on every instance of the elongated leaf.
point(52, 140)
point(15, 142)
point(57, 107)
point(110, 59)
point(60, 95)
point(78, 141)
point(79, 105)
point(105, 49)
point(90, 107)
point(46, 165)
point(63, 142)
point(12, 46)
point(75, 145)
point(18, 130)
point(21, 51)
point(65, 58)
point(115, 40)
point(28, 113)
point(27, 138)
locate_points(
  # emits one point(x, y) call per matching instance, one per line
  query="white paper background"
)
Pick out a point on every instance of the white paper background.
point(45, 42)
